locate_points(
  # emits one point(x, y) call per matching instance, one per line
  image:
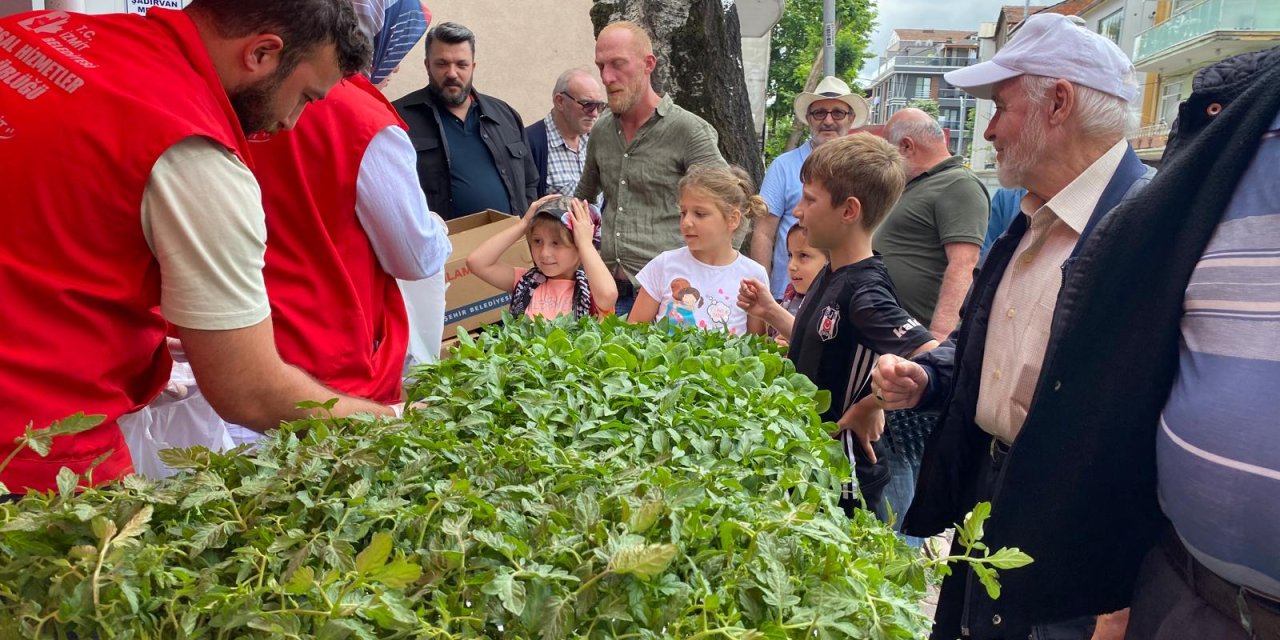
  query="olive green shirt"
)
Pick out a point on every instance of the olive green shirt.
point(945, 204)
point(641, 217)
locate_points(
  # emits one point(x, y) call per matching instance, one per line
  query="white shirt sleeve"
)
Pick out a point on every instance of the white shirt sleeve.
point(650, 276)
point(202, 217)
point(410, 241)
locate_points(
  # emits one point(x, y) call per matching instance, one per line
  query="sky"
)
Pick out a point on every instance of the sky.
point(927, 14)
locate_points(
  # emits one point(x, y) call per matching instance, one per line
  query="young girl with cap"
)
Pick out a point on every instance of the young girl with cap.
point(697, 285)
point(568, 276)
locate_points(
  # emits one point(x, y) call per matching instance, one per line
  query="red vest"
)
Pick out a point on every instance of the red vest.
point(337, 314)
point(87, 106)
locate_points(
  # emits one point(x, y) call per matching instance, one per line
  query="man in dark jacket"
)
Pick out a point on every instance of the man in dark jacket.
point(1047, 408)
point(558, 142)
point(472, 150)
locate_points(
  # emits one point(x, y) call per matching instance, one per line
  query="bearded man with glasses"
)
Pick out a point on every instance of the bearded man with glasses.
point(558, 142)
point(830, 111)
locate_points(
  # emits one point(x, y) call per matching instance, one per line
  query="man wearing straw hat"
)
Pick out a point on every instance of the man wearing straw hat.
point(830, 111)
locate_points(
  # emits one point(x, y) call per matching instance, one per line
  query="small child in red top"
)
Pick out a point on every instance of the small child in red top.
point(568, 276)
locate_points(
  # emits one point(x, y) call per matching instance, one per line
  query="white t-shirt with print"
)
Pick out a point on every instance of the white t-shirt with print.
point(701, 295)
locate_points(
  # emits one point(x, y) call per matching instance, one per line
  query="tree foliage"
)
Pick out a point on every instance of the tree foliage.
point(796, 45)
point(928, 106)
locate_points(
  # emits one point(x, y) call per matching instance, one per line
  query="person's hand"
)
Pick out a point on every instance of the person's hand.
point(898, 383)
point(583, 229)
point(533, 208)
point(782, 342)
point(755, 299)
point(1111, 626)
point(866, 425)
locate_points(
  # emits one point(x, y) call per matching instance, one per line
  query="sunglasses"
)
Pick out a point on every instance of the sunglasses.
point(590, 106)
point(836, 114)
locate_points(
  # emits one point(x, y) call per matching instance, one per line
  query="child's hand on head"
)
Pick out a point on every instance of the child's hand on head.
point(533, 208)
point(583, 228)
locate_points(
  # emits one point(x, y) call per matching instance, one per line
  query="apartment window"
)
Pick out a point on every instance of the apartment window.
point(1170, 98)
point(1111, 25)
point(923, 88)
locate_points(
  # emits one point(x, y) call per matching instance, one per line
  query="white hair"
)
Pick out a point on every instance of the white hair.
point(915, 128)
point(562, 83)
point(1099, 116)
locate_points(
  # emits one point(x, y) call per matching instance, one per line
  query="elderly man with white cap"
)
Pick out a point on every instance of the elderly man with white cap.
point(831, 110)
point(1033, 418)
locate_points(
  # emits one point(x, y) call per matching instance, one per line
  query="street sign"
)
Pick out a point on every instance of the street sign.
point(140, 6)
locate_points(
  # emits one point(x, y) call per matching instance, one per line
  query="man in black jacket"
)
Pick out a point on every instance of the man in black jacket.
point(1046, 397)
point(558, 142)
point(472, 150)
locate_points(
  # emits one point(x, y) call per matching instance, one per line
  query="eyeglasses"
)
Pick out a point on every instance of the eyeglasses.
point(836, 114)
point(590, 106)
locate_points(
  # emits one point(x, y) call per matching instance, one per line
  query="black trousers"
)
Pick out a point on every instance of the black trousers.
point(1167, 607)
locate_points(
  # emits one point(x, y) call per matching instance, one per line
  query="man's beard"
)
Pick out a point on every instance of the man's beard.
point(832, 133)
point(620, 103)
point(1020, 156)
point(438, 91)
point(253, 105)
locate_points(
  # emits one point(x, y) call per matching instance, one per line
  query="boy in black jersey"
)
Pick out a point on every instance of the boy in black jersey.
point(851, 314)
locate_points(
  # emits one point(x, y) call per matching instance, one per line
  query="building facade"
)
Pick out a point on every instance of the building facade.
point(911, 70)
point(1187, 36)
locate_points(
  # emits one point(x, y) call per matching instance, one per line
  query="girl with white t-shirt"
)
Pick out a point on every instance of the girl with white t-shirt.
point(697, 285)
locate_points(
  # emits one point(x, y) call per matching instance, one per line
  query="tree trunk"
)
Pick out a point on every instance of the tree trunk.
point(699, 50)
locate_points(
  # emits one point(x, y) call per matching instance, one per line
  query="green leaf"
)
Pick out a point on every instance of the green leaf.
point(194, 458)
point(103, 529)
point(137, 524)
point(393, 611)
point(509, 590)
point(644, 562)
point(971, 531)
point(375, 555)
point(345, 628)
point(302, 581)
point(643, 518)
point(988, 579)
point(397, 574)
point(68, 480)
point(1008, 558)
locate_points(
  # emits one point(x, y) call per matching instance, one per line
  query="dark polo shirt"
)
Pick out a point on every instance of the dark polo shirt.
point(474, 178)
point(945, 204)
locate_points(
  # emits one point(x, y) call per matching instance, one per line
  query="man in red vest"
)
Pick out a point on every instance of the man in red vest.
point(346, 217)
point(163, 221)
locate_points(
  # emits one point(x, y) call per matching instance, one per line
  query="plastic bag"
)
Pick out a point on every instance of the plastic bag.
point(424, 301)
point(179, 418)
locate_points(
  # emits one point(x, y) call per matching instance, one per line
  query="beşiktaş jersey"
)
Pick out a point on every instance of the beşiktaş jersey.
point(850, 317)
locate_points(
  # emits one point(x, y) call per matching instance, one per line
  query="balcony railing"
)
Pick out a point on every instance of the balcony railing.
point(1150, 137)
point(938, 62)
point(1202, 19)
point(954, 94)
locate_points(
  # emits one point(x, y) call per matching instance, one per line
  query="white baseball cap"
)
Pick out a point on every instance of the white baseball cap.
point(1053, 46)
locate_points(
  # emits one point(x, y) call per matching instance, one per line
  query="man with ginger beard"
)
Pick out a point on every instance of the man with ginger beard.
point(638, 153)
point(169, 218)
point(1037, 418)
point(472, 150)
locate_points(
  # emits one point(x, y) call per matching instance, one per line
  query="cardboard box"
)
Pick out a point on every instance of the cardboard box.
point(470, 302)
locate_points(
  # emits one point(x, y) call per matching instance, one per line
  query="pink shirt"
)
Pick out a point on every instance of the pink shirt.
point(1022, 312)
point(552, 299)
